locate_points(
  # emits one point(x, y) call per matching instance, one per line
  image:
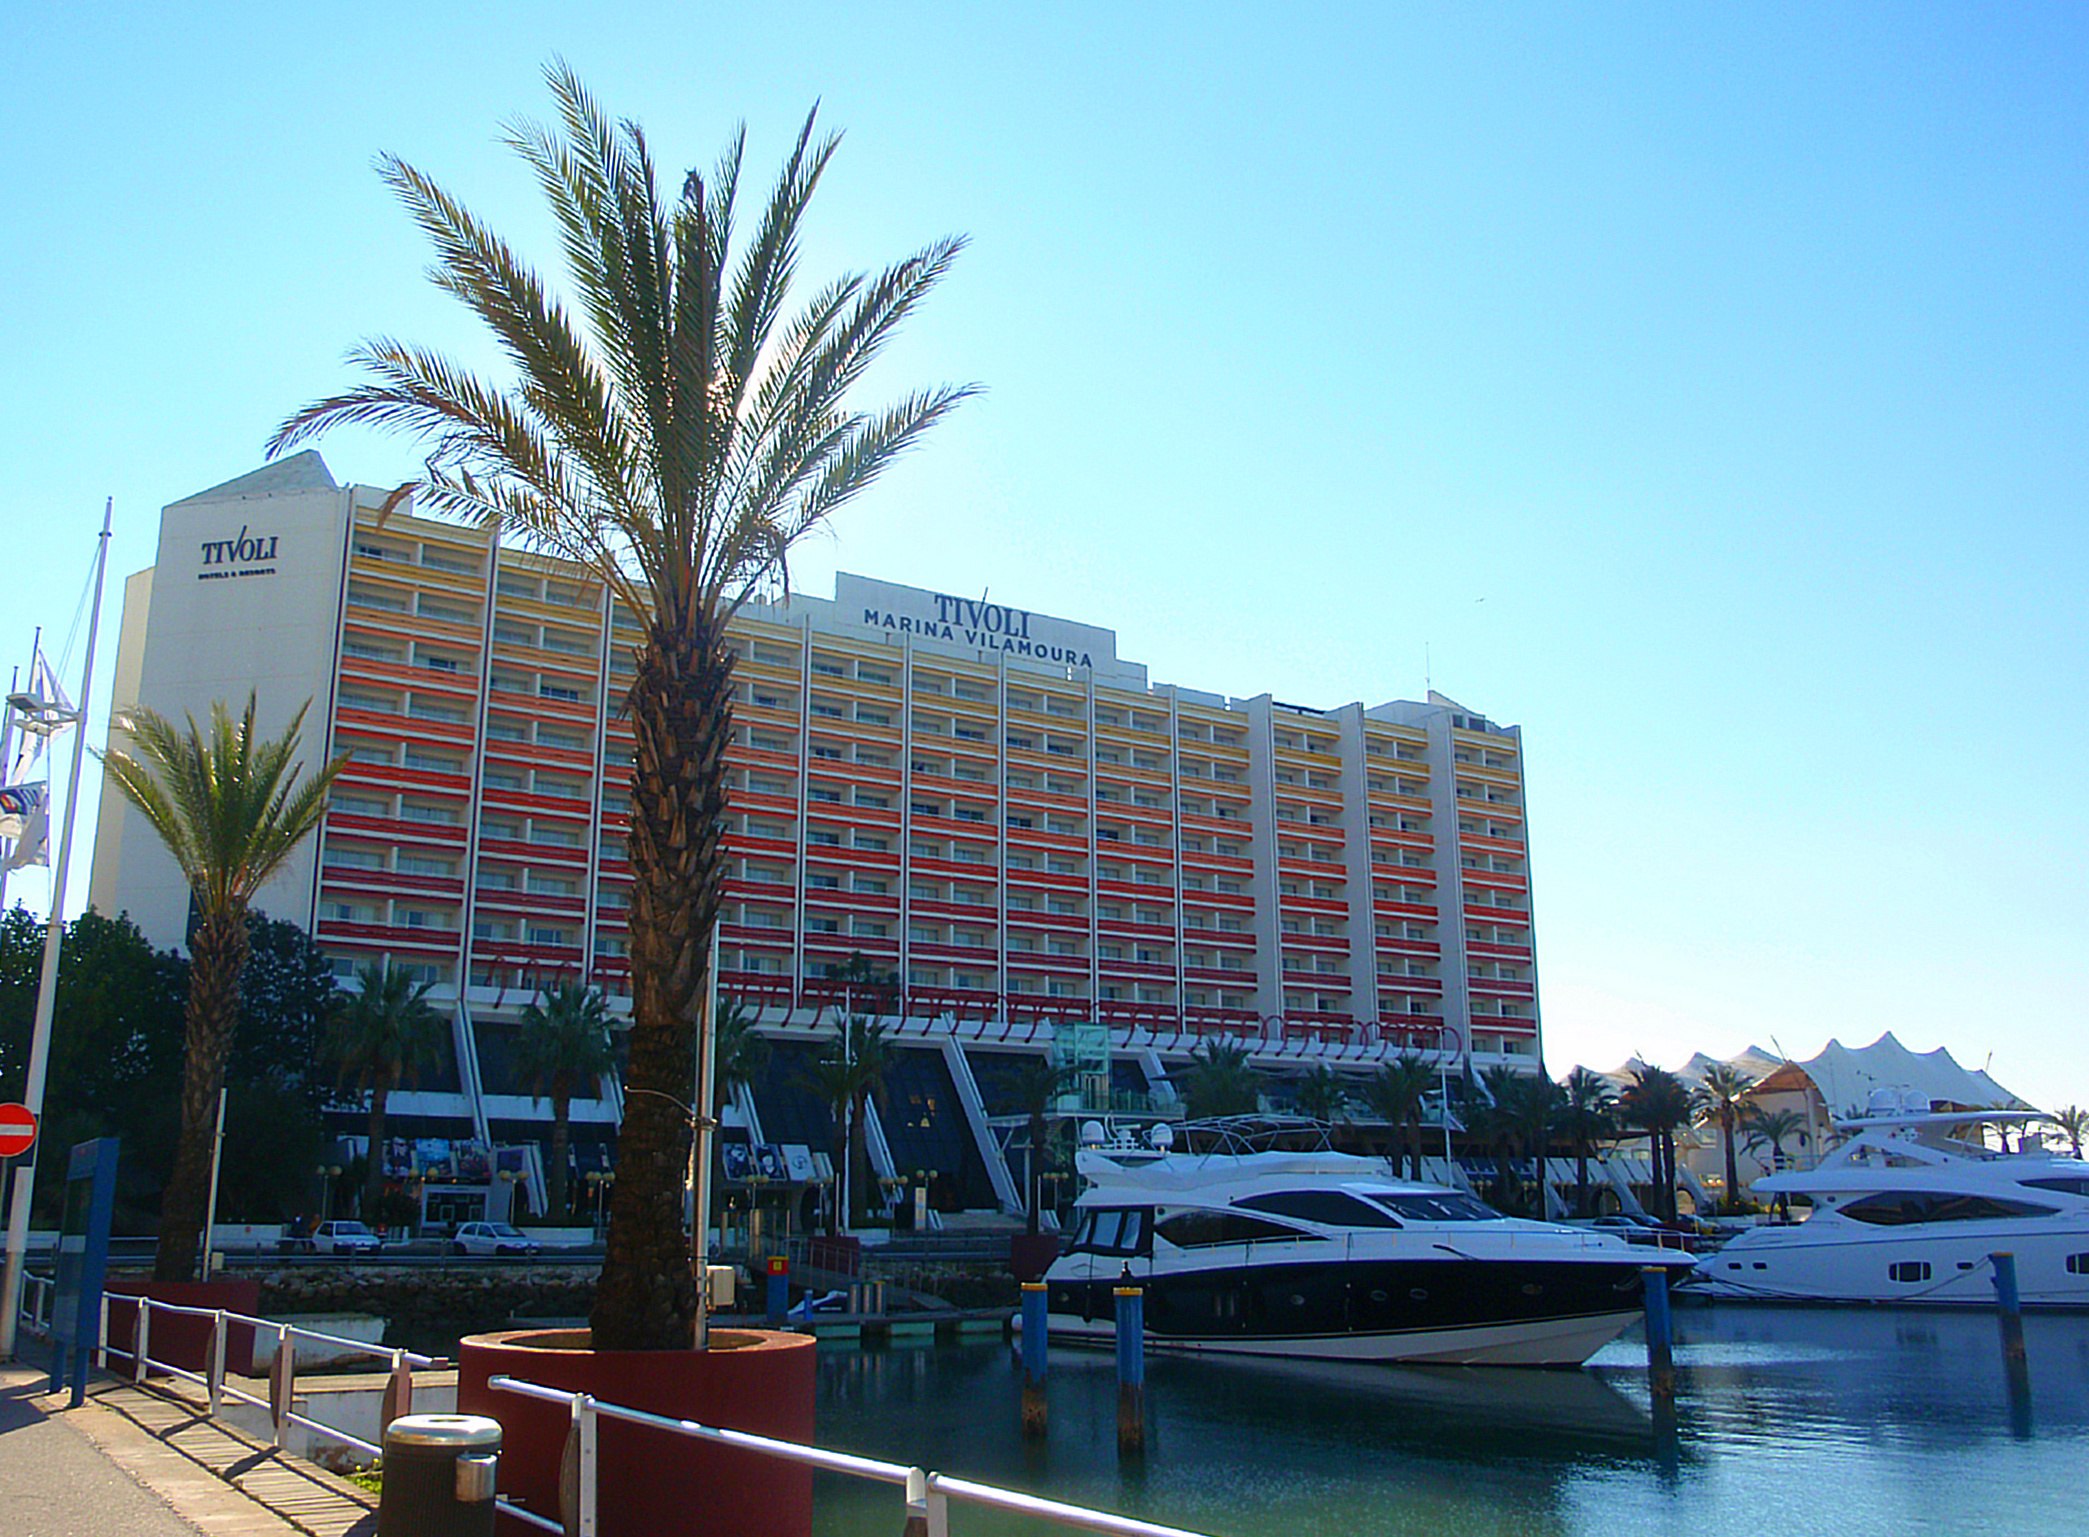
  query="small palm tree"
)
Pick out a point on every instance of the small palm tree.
point(680, 433)
point(1396, 1093)
point(1490, 1115)
point(1036, 1087)
point(1588, 1112)
point(1534, 1106)
point(1658, 1102)
point(2073, 1122)
point(1220, 1081)
point(563, 1050)
point(1769, 1128)
point(1321, 1093)
point(743, 1051)
point(848, 1077)
point(383, 1037)
point(227, 805)
point(1720, 1099)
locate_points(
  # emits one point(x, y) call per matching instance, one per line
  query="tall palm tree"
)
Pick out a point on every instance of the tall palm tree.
point(681, 434)
point(1658, 1102)
point(1720, 1100)
point(563, 1050)
point(1220, 1081)
point(227, 804)
point(1396, 1093)
point(2073, 1122)
point(847, 1077)
point(383, 1036)
point(1035, 1087)
point(1321, 1093)
point(1588, 1111)
point(1491, 1115)
point(1534, 1106)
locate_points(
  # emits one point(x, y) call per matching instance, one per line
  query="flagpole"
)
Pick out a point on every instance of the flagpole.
point(47, 987)
point(7, 763)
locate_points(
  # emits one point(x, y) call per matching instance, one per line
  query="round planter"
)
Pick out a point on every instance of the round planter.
point(652, 1481)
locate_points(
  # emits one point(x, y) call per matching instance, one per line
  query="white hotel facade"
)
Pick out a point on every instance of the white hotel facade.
point(992, 807)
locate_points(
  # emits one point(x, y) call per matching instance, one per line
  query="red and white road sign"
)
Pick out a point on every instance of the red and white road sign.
point(17, 1130)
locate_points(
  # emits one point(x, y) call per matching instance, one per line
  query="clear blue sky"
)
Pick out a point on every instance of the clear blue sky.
point(1703, 389)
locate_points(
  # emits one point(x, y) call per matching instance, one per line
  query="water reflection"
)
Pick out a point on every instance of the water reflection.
point(1785, 1420)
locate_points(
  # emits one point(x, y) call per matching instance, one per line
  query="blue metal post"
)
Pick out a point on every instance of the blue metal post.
point(1131, 1370)
point(1036, 1341)
point(2016, 1365)
point(1661, 1362)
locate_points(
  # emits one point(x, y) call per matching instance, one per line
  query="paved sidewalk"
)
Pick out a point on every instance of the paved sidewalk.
point(136, 1463)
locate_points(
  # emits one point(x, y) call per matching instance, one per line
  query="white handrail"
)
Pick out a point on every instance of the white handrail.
point(926, 1493)
point(398, 1392)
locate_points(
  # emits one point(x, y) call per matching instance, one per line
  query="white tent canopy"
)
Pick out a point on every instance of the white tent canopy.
point(1848, 1076)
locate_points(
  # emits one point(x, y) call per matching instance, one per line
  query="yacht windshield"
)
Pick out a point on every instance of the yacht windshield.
point(1896, 1208)
point(1436, 1206)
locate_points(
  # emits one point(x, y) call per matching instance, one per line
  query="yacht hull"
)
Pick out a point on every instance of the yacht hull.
point(1911, 1265)
point(1463, 1312)
point(1564, 1342)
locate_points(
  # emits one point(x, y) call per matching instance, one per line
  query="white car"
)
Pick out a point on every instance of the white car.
point(342, 1238)
point(491, 1238)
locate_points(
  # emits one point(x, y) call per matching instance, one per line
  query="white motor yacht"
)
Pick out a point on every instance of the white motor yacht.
point(1908, 1210)
point(1317, 1255)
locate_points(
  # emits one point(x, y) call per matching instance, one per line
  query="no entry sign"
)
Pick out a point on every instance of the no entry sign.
point(17, 1130)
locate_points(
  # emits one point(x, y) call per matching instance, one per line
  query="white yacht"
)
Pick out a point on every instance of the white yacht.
point(1908, 1209)
point(1317, 1255)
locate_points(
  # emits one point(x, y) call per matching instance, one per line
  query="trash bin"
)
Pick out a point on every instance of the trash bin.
point(439, 1475)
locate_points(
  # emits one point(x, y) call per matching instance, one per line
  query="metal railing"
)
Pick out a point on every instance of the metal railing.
point(926, 1496)
point(282, 1375)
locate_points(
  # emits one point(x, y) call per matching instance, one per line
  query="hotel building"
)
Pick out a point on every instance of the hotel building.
point(1014, 826)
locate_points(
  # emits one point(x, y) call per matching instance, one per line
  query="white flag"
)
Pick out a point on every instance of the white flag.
point(25, 816)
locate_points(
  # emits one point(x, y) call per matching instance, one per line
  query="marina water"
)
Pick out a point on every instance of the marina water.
point(1787, 1420)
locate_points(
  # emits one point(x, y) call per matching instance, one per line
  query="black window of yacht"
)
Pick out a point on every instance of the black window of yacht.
point(1113, 1230)
point(1334, 1208)
point(1201, 1229)
point(1909, 1270)
point(2073, 1184)
point(2078, 1264)
point(1437, 1206)
point(1892, 1209)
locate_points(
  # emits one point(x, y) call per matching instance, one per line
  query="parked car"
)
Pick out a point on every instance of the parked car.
point(342, 1237)
point(491, 1238)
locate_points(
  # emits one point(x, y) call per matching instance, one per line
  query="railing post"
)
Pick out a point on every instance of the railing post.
point(215, 1382)
point(101, 1336)
point(1661, 1364)
point(398, 1390)
point(282, 1385)
point(917, 1504)
point(585, 1426)
point(141, 1340)
point(1131, 1370)
point(1035, 1345)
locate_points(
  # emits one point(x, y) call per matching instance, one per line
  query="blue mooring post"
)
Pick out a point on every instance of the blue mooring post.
point(779, 1298)
point(1036, 1341)
point(1661, 1359)
point(2011, 1305)
point(1131, 1370)
point(2016, 1366)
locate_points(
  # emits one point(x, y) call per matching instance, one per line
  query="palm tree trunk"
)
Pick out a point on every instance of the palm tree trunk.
point(859, 1163)
point(1581, 1179)
point(680, 708)
point(1733, 1167)
point(561, 1135)
point(217, 955)
point(373, 1173)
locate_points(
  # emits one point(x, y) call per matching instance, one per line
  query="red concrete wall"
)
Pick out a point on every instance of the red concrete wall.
point(653, 1483)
